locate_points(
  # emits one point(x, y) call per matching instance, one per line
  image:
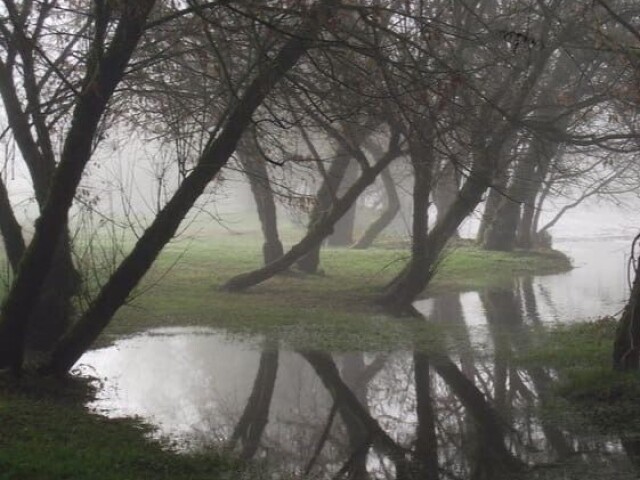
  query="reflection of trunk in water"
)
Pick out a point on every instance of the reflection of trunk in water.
point(253, 421)
point(426, 449)
point(355, 416)
point(353, 369)
point(447, 310)
point(502, 313)
point(256, 171)
point(494, 459)
point(490, 457)
point(504, 317)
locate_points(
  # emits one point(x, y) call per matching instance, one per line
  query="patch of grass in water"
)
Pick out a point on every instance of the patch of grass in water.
point(332, 311)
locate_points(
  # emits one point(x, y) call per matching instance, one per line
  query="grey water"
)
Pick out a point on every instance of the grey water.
point(375, 414)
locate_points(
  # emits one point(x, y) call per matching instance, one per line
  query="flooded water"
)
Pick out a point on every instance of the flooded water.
point(467, 413)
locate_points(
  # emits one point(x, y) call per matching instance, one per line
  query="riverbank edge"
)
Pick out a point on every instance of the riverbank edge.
point(335, 310)
point(46, 432)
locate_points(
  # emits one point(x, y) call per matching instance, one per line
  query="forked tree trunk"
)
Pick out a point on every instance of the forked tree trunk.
point(103, 75)
point(405, 288)
point(391, 209)
point(53, 310)
point(115, 292)
point(507, 226)
point(258, 176)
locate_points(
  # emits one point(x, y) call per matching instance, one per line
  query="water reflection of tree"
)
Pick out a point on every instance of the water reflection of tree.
point(253, 421)
point(430, 414)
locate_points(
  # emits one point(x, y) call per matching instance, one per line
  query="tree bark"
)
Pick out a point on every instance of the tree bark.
point(258, 176)
point(405, 288)
point(102, 77)
point(10, 229)
point(114, 293)
point(391, 209)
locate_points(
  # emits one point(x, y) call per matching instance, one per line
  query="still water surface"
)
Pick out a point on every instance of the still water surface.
point(466, 413)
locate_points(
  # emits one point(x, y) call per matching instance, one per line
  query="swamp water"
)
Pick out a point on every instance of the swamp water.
point(464, 411)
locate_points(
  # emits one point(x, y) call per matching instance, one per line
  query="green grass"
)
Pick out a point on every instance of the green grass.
point(46, 435)
point(581, 354)
point(334, 310)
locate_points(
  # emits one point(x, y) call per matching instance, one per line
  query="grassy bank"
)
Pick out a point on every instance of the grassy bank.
point(45, 434)
point(333, 310)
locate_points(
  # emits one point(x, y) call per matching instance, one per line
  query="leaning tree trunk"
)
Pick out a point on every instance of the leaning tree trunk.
point(391, 210)
point(320, 230)
point(325, 198)
point(405, 288)
point(258, 176)
point(115, 292)
point(626, 348)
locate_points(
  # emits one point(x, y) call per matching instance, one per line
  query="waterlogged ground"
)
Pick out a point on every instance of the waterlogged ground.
point(470, 403)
